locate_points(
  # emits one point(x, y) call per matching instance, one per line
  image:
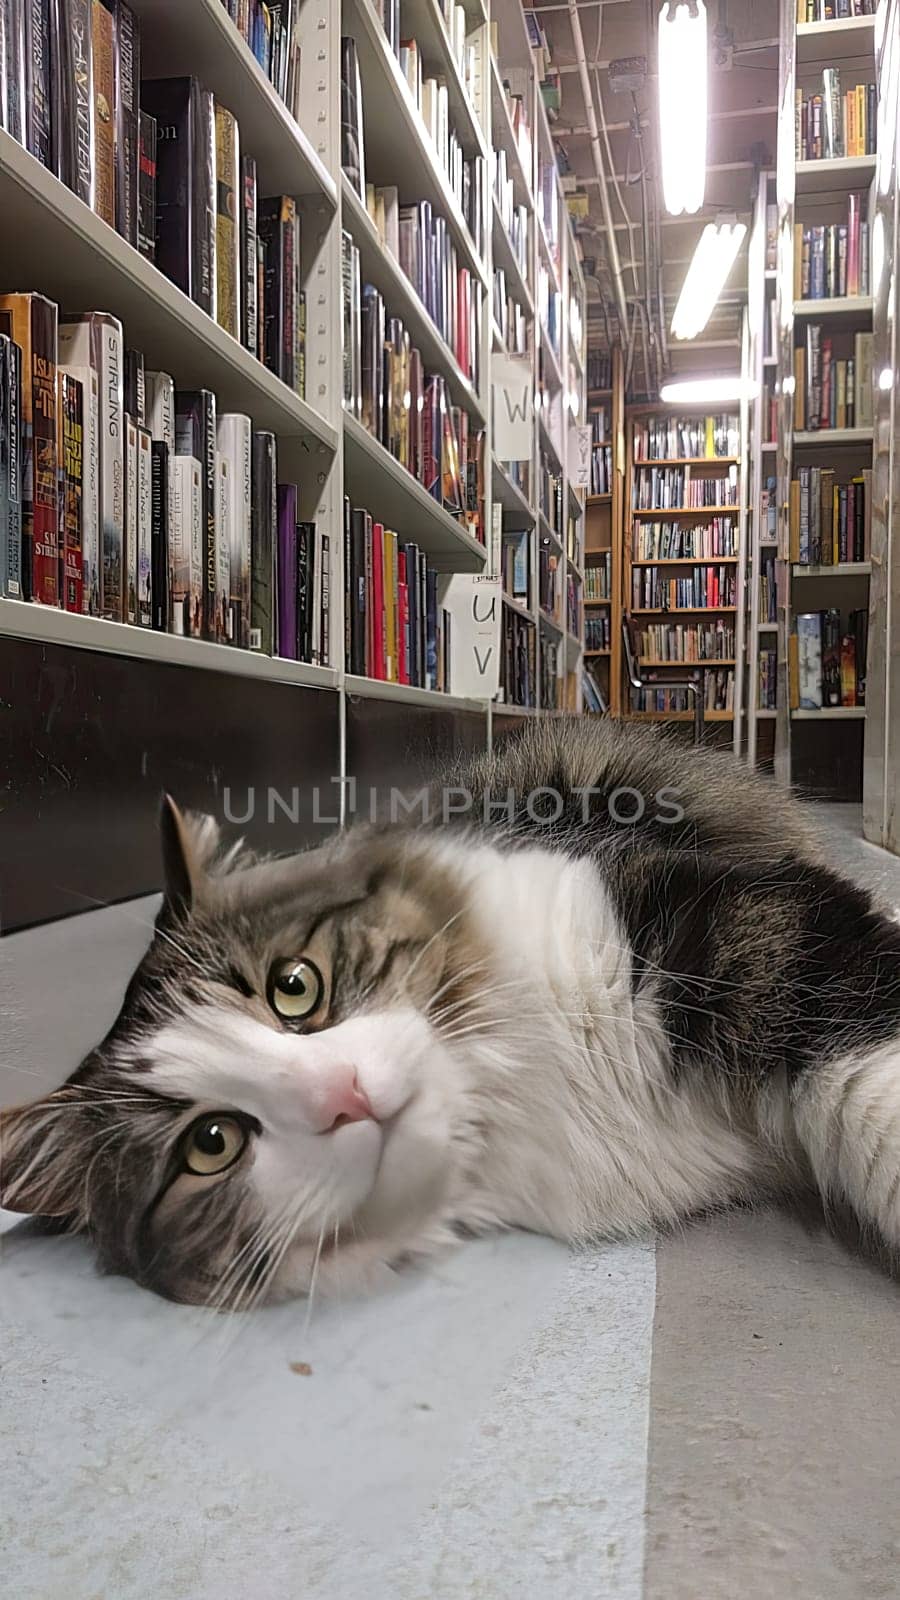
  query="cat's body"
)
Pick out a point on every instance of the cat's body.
point(584, 1026)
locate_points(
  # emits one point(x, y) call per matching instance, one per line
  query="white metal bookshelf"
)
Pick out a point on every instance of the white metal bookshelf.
point(55, 244)
point(811, 192)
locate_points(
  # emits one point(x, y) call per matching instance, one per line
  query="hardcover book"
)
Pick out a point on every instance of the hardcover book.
point(95, 340)
point(76, 97)
point(30, 321)
point(276, 225)
point(185, 187)
point(71, 448)
point(235, 443)
point(286, 572)
point(352, 157)
point(103, 65)
point(144, 528)
point(227, 223)
point(11, 554)
point(263, 521)
point(128, 92)
point(160, 503)
point(131, 520)
point(186, 543)
point(248, 273)
point(146, 220)
point(195, 436)
point(39, 129)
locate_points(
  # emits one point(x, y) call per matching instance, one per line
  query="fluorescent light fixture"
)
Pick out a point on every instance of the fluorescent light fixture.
point(713, 259)
point(886, 378)
point(682, 55)
point(692, 391)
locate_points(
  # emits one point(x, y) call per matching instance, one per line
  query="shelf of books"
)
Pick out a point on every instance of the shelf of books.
point(762, 619)
point(534, 408)
point(824, 211)
point(602, 676)
point(683, 542)
point(248, 336)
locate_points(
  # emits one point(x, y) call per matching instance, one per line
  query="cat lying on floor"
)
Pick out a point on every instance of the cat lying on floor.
point(540, 1015)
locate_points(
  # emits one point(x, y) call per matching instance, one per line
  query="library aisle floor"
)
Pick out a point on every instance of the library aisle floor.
point(715, 1416)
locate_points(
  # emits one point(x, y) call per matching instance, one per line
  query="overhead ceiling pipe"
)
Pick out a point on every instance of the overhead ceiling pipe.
point(615, 265)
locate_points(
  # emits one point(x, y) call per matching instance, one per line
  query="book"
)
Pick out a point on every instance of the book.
point(159, 405)
point(76, 97)
point(12, 69)
point(185, 185)
point(352, 158)
point(144, 528)
point(146, 204)
point(248, 251)
point(306, 590)
point(12, 580)
point(39, 129)
point(134, 386)
point(186, 542)
point(195, 436)
point(277, 228)
point(228, 240)
point(127, 115)
point(103, 69)
point(224, 488)
point(809, 660)
point(286, 572)
point(160, 504)
point(71, 458)
point(263, 525)
point(31, 322)
point(95, 340)
point(131, 519)
point(235, 442)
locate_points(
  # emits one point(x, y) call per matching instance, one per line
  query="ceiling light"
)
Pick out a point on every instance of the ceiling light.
point(682, 104)
point(886, 378)
point(707, 274)
point(694, 391)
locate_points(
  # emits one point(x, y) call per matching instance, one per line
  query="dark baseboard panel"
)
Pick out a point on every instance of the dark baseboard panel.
point(89, 742)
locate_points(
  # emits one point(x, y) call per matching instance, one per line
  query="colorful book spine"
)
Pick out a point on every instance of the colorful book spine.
point(286, 572)
point(228, 242)
point(160, 558)
point(30, 321)
point(235, 442)
point(186, 539)
point(103, 65)
point(144, 528)
point(71, 449)
point(146, 226)
point(195, 435)
point(248, 273)
point(127, 120)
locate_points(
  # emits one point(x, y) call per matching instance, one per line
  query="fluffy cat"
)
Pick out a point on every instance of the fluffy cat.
point(535, 1013)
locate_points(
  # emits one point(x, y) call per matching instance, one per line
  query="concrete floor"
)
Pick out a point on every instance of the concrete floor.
point(715, 1415)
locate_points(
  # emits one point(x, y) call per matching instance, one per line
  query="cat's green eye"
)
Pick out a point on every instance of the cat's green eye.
point(295, 989)
point(213, 1144)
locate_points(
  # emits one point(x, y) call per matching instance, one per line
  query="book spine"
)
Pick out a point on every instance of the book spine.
point(263, 524)
point(38, 82)
point(325, 601)
point(224, 511)
point(286, 571)
point(235, 441)
point(186, 538)
point(128, 80)
point(305, 589)
point(161, 495)
point(203, 199)
point(76, 97)
point(249, 297)
point(227, 253)
point(103, 58)
point(12, 69)
point(15, 581)
point(72, 477)
point(131, 517)
point(144, 528)
point(146, 225)
point(159, 390)
point(6, 357)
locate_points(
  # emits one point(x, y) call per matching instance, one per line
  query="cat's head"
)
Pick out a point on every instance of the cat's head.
point(281, 1092)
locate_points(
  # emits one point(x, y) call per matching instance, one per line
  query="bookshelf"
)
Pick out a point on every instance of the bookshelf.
point(58, 246)
point(603, 524)
point(881, 766)
point(541, 511)
point(684, 538)
point(824, 208)
point(762, 625)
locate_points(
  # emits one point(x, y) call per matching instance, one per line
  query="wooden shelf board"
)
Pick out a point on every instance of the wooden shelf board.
point(723, 661)
point(683, 611)
point(666, 513)
point(688, 461)
point(677, 716)
point(686, 561)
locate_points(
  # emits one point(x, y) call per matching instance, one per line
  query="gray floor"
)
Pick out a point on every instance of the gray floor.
point(713, 1416)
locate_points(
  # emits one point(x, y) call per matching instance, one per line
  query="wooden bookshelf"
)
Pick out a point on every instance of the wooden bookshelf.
point(699, 466)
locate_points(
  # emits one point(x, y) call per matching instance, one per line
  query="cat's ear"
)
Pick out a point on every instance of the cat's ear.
point(45, 1149)
point(190, 844)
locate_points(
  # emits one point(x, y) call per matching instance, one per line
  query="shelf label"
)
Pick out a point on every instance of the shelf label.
point(580, 457)
point(513, 379)
point(474, 603)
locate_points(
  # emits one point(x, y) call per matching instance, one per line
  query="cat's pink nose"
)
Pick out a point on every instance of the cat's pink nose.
point(344, 1101)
